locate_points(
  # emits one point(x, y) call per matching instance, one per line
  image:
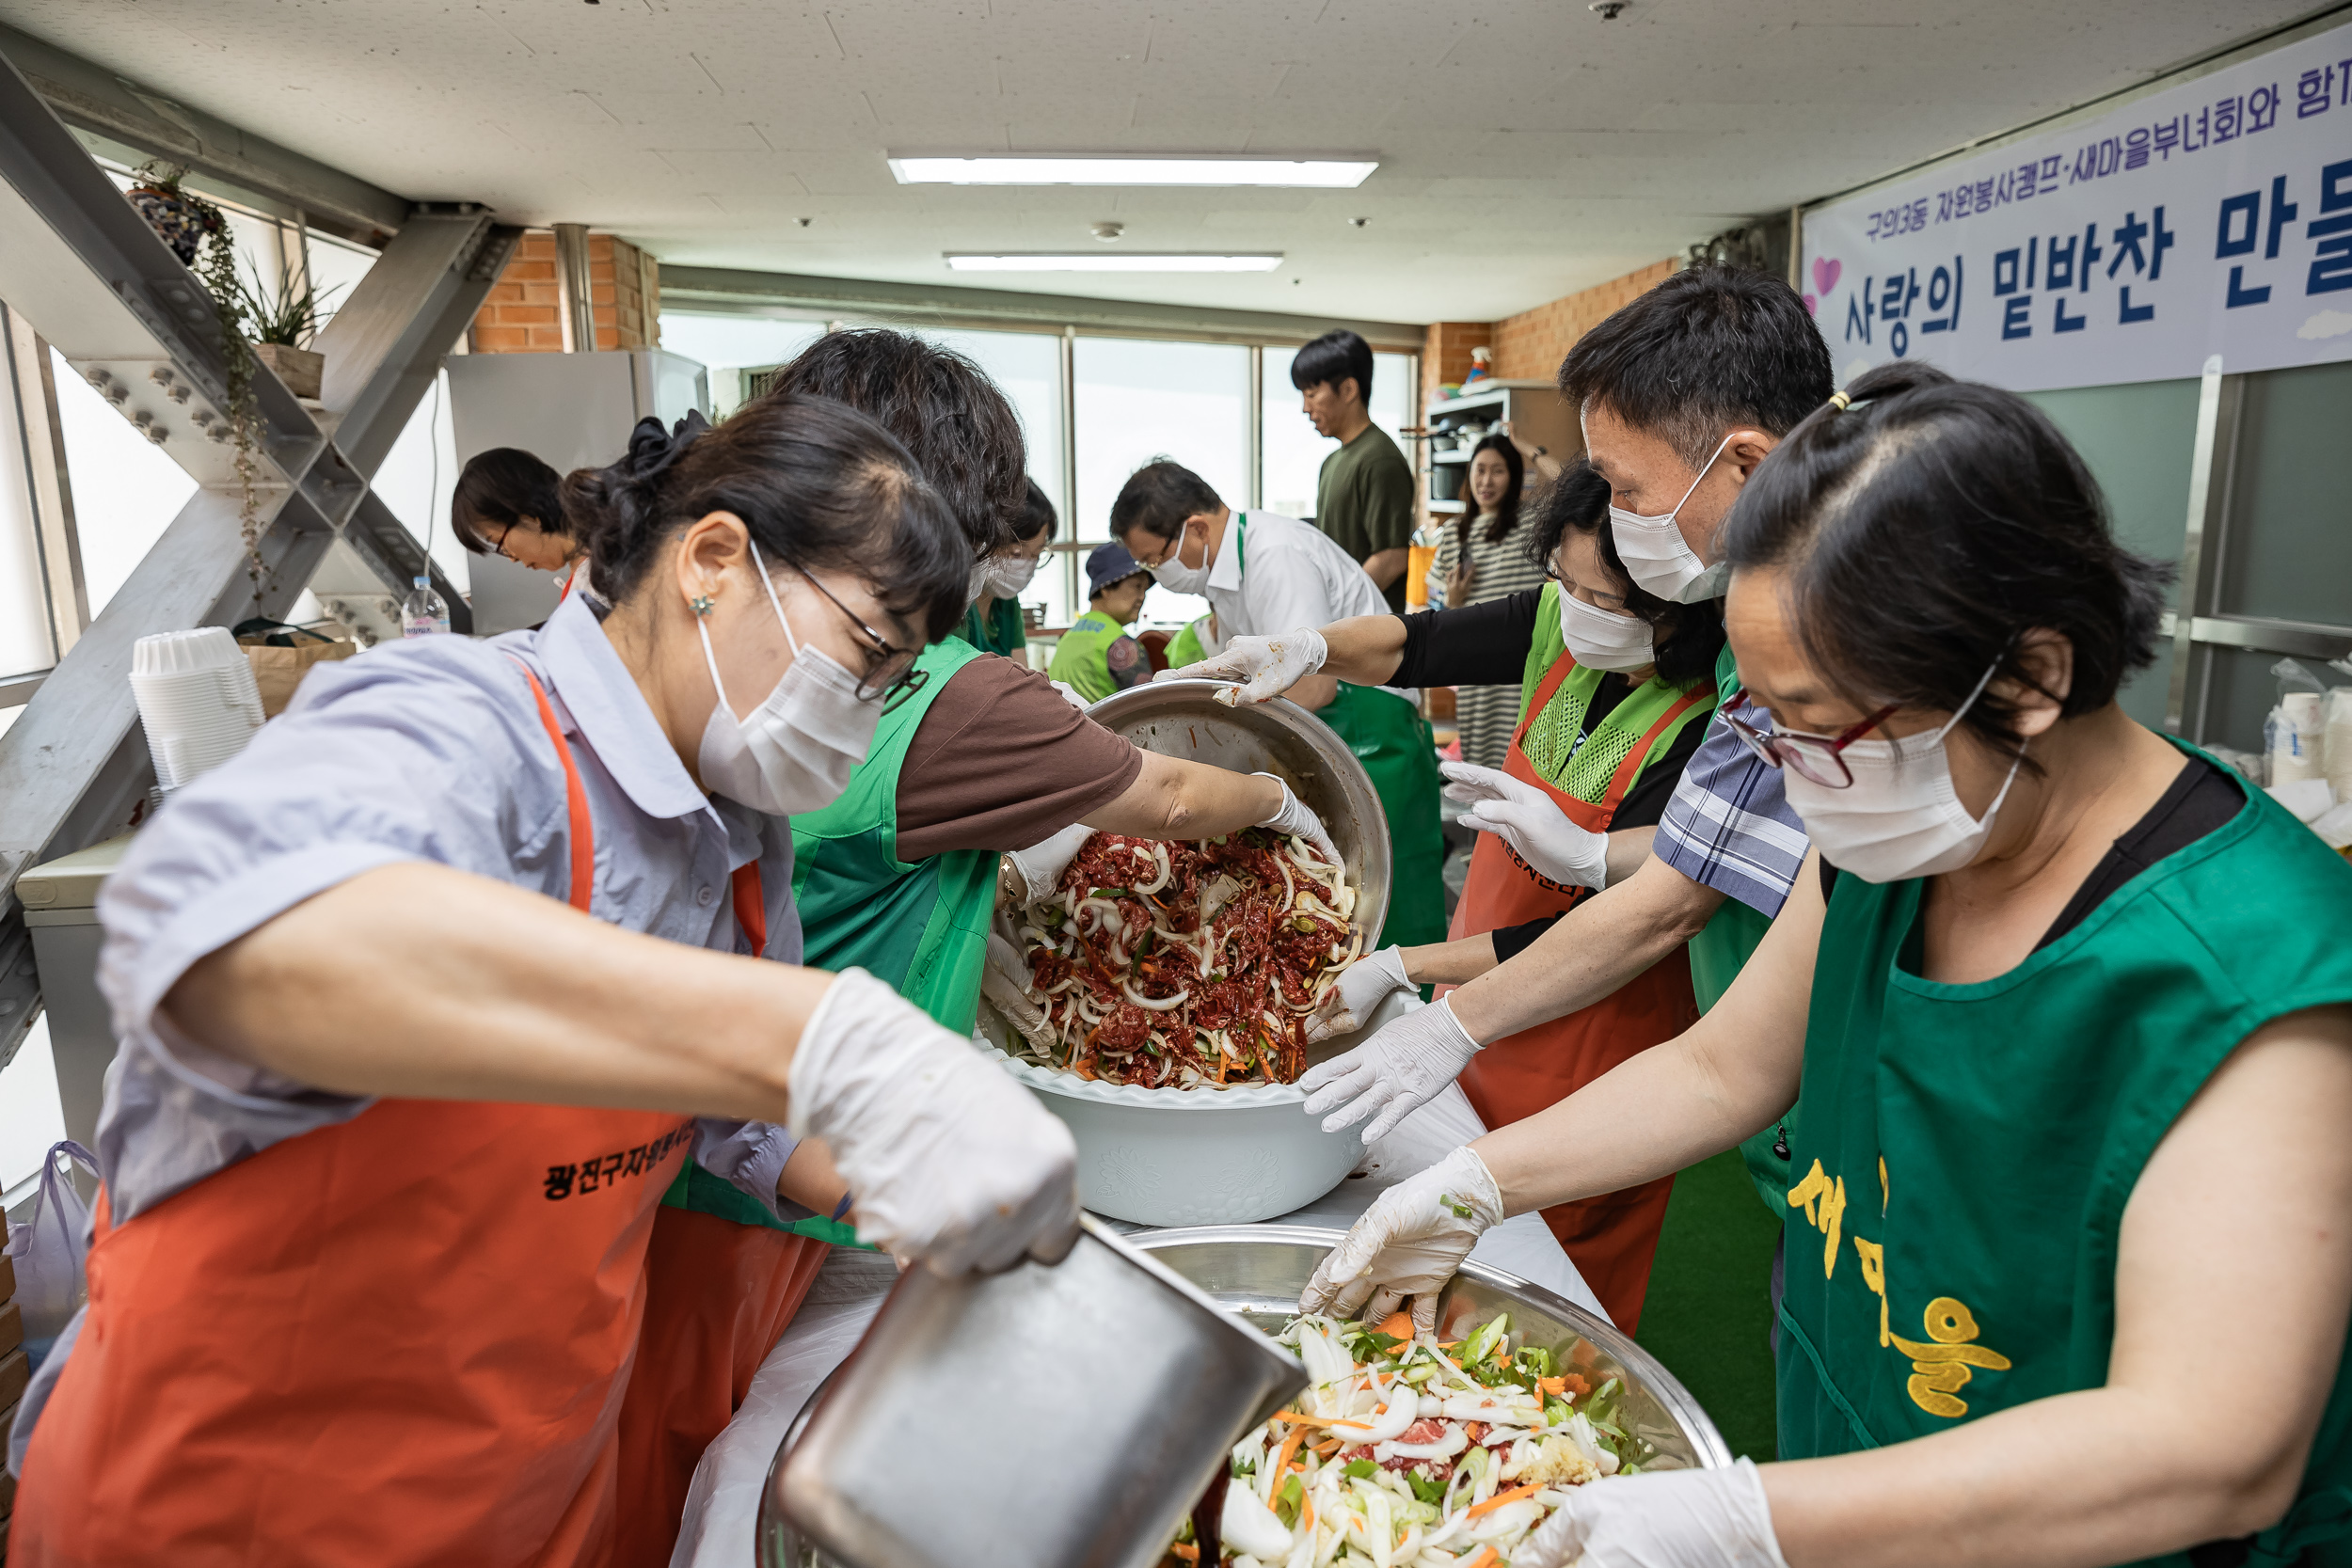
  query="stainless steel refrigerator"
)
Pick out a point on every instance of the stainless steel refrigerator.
point(576, 411)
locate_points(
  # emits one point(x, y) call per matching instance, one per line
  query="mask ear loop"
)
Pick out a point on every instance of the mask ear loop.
point(703, 626)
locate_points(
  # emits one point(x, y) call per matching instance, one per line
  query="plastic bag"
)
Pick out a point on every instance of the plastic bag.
point(50, 1249)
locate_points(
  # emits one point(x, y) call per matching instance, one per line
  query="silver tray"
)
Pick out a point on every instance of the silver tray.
point(1258, 1271)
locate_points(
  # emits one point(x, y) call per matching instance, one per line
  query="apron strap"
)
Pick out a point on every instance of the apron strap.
point(1631, 769)
point(751, 907)
point(583, 831)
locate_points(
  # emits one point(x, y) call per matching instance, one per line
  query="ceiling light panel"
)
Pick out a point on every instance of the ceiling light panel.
point(1110, 169)
point(1108, 260)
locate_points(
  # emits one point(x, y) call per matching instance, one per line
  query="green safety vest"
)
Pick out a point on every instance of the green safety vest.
point(2003, 1125)
point(920, 926)
point(1082, 661)
point(1184, 647)
point(1002, 631)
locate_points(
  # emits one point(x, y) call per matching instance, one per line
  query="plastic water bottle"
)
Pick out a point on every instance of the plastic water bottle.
point(422, 614)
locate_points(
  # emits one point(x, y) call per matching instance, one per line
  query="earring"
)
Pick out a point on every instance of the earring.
point(700, 603)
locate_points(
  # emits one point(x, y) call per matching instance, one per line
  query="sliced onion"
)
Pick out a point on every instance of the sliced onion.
point(1156, 1004)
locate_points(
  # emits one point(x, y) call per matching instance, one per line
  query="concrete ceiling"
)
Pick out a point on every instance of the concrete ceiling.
point(1528, 148)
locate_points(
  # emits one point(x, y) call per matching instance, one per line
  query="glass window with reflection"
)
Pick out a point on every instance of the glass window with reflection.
point(1137, 399)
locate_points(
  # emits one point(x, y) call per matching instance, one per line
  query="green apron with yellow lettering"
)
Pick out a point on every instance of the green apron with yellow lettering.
point(920, 926)
point(1082, 659)
point(1001, 631)
point(2002, 1127)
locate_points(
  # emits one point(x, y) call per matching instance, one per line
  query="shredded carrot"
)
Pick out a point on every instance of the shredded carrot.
point(1325, 1451)
point(1290, 1447)
point(1189, 1551)
point(1295, 1418)
point(1501, 1497)
point(1486, 1557)
point(1397, 1325)
point(1552, 1385)
point(1082, 1067)
point(1307, 1510)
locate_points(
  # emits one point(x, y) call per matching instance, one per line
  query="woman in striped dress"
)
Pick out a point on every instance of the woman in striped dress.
point(1482, 557)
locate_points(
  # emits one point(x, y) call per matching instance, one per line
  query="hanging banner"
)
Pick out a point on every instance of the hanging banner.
point(2214, 218)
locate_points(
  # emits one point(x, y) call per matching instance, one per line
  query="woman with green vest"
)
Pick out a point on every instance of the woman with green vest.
point(1616, 687)
point(2071, 1000)
point(994, 623)
point(1096, 656)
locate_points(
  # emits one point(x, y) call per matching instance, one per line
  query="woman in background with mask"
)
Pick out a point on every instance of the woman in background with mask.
point(2068, 998)
point(1616, 689)
point(994, 623)
point(382, 1147)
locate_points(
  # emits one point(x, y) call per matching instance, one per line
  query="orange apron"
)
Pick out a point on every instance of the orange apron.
point(1611, 1237)
point(398, 1340)
point(719, 1296)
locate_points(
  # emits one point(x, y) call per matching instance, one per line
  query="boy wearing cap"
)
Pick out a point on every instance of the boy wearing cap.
point(1096, 656)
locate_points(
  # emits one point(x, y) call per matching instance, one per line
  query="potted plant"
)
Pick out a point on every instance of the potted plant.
point(279, 326)
point(181, 220)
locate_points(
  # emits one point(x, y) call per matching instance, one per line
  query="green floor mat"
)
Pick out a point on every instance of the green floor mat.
point(1709, 1312)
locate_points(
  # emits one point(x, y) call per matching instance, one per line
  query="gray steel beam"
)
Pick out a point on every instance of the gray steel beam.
point(99, 100)
point(730, 288)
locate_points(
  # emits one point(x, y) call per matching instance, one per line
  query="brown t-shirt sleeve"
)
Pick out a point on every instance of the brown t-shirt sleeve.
point(1000, 761)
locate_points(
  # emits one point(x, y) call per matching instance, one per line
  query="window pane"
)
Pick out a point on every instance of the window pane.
point(725, 344)
point(1027, 367)
point(31, 1117)
point(1292, 455)
point(2286, 557)
point(125, 491)
point(336, 268)
point(24, 644)
point(1138, 400)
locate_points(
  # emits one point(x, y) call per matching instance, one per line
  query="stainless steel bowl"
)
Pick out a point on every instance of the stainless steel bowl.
point(1258, 1270)
point(1044, 1417)
point(1184, 719)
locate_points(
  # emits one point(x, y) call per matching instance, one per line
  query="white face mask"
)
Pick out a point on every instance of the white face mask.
point(795, 751)
point(1900, 817)
point(1008, 575)
point(1658, 558)
point(1177, 578)
point(1601, 638)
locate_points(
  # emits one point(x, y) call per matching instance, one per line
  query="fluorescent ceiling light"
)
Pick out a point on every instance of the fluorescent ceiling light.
point(1111, 261)
point(1115, 169)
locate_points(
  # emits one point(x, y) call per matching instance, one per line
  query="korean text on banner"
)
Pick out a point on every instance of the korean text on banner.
point(2215, 217)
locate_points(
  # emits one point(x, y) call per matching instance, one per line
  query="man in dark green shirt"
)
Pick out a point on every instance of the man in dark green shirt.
point(1364, 496)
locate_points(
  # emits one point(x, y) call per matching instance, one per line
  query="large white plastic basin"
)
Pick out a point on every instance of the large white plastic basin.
point(1198, 1156)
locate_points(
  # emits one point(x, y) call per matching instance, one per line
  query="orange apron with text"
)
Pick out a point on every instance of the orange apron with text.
point(399, 1341)
point(1610, 1237)
point(719, 1295)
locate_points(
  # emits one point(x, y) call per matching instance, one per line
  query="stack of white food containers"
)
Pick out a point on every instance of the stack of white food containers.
point(197, 699)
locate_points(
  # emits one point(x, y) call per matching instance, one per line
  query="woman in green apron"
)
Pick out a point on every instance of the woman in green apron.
point(994, 623)
point(2070, 1000)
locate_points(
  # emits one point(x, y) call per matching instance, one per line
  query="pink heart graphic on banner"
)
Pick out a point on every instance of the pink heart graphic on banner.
point(1825, 273)
point(1812, 306)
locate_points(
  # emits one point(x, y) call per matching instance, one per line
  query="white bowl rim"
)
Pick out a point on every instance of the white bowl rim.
point(1069, 1085)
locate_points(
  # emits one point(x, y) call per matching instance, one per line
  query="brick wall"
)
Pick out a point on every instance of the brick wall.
point(1529, 345)
point(523, 313)
point(1445, 353)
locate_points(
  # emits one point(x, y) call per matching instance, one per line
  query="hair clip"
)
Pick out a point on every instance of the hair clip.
point(700, 603)
point(1841, 400)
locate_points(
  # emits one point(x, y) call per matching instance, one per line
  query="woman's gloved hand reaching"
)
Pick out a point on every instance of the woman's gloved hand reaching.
point(1392, 1075)
point(949, 1161)
point(1362, 987)
point(1671, 1519)
point(1264, 666)
point(1408, 1244)
point(1531, 822)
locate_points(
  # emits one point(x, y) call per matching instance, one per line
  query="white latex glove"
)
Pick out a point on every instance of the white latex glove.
point(952, 1162)
point(1005, 981)
point(1265, 666)
point(1408, 1244)
point(1031, 875)
point(1531, 822)
point(1669, 1519)
point(1365, 984)
point(1294, 816)
point(1394, 1073)
point(1070, 694)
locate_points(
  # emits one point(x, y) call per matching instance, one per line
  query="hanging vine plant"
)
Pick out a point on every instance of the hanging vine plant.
point(199, 233)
